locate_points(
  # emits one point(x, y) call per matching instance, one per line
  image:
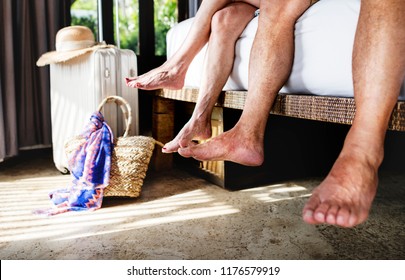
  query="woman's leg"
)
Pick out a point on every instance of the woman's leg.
point(226, 27)
point(172, 73)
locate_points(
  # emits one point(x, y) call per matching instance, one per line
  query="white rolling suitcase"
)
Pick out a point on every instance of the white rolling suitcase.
point(77, 88)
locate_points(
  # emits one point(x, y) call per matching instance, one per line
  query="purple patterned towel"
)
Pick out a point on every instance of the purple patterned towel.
point(90, 166)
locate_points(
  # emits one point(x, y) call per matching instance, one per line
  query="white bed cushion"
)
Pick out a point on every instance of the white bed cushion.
point(324, 37)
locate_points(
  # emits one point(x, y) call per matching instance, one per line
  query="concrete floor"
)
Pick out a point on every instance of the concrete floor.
point(180, 216)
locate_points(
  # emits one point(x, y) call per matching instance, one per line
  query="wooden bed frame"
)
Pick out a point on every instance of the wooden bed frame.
point(336, 110)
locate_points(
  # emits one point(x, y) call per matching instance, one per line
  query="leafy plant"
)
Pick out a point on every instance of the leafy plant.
point(165, 18)
point(84, 12)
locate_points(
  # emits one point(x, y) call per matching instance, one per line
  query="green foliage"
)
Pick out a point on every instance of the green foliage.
point(129, 25)
point(165, 18)
point(88, 5)
point(84, 12)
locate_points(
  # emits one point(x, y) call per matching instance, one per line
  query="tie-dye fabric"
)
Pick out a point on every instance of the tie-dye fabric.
point(90, 166)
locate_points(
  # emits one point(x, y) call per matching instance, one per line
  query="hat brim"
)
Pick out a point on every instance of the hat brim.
point(59, 57)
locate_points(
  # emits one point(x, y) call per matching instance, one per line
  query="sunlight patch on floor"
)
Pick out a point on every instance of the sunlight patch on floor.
point(181, 216)
point(18, 198)
point(278, 192)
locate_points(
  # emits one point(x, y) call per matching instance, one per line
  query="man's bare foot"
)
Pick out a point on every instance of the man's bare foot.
point(164, 76)
point(192, 130)
point(229, 146)
point(345, 197)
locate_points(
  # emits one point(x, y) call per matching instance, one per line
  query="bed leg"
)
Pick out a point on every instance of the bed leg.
point(163, 131)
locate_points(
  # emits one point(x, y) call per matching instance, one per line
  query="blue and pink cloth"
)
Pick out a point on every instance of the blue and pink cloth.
point(90, 165)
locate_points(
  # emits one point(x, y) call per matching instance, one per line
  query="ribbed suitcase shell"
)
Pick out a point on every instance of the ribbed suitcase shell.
point(78, 87)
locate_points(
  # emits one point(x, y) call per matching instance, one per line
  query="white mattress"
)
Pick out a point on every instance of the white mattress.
point(324, 37)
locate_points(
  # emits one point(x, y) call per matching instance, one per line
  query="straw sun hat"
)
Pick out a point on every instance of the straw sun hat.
point(71, 42)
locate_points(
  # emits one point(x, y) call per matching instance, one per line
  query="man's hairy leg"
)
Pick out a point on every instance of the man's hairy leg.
point(270, 66)
point(345, 197)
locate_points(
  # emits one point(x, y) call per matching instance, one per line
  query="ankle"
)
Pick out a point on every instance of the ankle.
point(365, 144)
point(372, 156)
point(249, 133)
point(177, 66)
point(200, 119)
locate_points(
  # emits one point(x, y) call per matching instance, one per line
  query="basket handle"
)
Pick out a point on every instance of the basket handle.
point(125, 107)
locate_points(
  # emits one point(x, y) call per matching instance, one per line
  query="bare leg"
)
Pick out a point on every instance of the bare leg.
point(270, 65)
point(345, 197)
point(172, 73)
point(227, 25)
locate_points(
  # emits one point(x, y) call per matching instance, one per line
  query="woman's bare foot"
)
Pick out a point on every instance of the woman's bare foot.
point(192, 130)
point(164, 76)
point(229, 146)
point(345, 197)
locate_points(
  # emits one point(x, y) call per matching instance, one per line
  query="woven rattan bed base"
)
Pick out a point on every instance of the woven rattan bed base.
point(321, 108)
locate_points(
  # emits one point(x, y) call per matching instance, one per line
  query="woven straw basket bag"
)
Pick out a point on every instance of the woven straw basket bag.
point(130, 157)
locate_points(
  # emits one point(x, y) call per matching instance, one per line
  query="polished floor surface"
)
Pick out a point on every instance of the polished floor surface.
point(180, 216)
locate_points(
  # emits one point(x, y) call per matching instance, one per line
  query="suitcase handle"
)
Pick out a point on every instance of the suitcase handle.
point(125, 107)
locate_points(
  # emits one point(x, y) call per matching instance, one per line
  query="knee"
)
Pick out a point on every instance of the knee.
point(289, 10)
point(223, 21)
